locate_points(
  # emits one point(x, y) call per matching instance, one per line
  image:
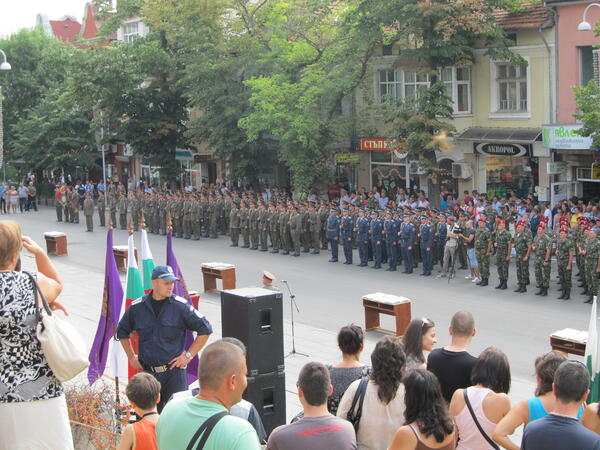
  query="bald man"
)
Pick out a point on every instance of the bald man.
point(222, 377)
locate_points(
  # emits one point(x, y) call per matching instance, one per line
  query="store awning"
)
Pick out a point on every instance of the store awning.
point(508, 135)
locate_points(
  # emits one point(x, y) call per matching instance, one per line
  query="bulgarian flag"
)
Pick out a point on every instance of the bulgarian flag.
point(147, 262)
point(591, 355)
point(133, 290)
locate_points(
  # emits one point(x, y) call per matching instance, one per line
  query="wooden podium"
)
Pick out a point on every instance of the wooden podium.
point(213, 271)
point(569, 340)
point(56, 243)
point(380, 303)
point(120, 252)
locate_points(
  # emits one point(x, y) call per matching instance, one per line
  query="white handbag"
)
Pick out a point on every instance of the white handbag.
point(62, 345)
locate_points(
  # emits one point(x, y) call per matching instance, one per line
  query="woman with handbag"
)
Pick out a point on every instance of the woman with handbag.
point(33, 409)
point(376, 407)
point(478, 408)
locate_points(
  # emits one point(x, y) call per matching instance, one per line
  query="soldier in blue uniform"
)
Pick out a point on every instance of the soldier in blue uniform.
point(407, 241)
point(161, 320)
point(362, 237)
point(391, 236)
point(426, 244)
point(333, 233)
point(376, 232)
point(346, 226)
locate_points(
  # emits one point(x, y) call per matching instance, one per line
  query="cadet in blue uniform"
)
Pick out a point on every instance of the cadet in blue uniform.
point(426, 243)
point(161, 320)
point(362, 237)
point(391, 236)
point(376, 232)
point(346, 226)
point(407, 241)
point(333, 233)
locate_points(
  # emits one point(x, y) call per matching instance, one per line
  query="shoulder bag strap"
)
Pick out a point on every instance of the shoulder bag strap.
point(206, 427)
point(362, 390)
point(36, 291)
point(481, 430)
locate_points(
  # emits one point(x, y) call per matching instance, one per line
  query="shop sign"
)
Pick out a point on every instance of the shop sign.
point(347, 158)
point(502, 149)
point(555, 168)
point(182, 154)
point(376, 145)
point(565, 137)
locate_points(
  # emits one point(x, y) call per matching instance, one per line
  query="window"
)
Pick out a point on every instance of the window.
point(390, 83)
point(131, 31)
point(457, 81)
point(586, 62)
point(415, 83)
point(511, 82)
point(387, 50)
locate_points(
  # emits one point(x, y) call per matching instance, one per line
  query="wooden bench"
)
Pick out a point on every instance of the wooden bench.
point(56, 243)
point(569, 340)
point(213, 271)
point(392, 305)
point(120, 252)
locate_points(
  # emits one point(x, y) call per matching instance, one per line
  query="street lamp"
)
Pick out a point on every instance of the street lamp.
point(585, 25)
point(3, 66)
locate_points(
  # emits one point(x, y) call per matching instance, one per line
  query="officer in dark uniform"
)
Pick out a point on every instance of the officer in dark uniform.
point(426, 244)
point(391, 236)
point(407, 241)
point(362, 237)
point(346, 235)
point(333, 233)
point(376, 232)
point(161, 320)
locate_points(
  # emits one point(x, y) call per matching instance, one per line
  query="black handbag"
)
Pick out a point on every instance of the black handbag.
point(357, 402)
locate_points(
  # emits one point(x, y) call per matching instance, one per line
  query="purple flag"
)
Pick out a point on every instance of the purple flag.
point(109, 315)
point(180, 289)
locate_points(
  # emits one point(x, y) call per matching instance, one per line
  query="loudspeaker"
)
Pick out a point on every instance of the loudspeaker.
point(267, 393)
point(255, 317)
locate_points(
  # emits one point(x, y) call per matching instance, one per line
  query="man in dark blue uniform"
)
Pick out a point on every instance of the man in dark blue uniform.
point(391, 236)
point(426, 244)
point(407, 240)
point(346, 235)
point(376, 232)
point(362, 237)
point(333, 233)
point(161, 320)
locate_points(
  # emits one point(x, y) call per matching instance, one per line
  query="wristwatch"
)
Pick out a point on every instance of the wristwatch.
point(188, 355)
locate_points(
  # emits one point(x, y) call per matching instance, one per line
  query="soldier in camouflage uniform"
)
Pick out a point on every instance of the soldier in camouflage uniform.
point(214, 210)
point(253, 218)
point(122, 208)
point(483, 248)
point(245, 224)
point(274, 227)
point(112, 206)
point(226, 211)
point(163, 212)
point(323, 215)
point(542, 244)
point(263, 227)
point(314, 228)
point(284, 233)
point(88, 211)
point(522, 245)
point(134, 205)
point(565, 250)
point(306, 237)
point(101, 206)
point(295, 229)
point(234, 224)
point(74, 206)
point(196, 213)
point(503, 245)
point(592, 264)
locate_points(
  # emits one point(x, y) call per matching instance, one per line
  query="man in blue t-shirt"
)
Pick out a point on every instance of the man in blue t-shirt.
point(560, 429)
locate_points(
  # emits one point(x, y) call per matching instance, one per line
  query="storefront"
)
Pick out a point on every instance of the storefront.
point(346, 170)
point(572, 157)
point(505, 160)
point(388, 167)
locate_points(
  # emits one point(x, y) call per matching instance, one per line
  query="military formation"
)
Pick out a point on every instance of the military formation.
point(402, 238)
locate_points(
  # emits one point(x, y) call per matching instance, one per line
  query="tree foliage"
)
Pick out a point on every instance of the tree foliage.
point(588, 111)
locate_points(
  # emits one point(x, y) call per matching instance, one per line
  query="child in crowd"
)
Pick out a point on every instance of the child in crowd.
point(143, 392)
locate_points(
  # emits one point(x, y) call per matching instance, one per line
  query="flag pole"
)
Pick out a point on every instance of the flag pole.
point(142, 220)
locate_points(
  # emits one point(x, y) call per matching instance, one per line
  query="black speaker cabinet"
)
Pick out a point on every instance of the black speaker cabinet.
point(267, 393)
point(255, 317)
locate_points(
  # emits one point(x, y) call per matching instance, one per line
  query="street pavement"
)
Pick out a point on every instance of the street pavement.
point(328, 296)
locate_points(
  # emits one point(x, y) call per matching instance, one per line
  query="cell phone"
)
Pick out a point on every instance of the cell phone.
point(18, 265)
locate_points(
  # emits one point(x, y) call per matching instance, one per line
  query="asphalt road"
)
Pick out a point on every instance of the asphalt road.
point(329, 294)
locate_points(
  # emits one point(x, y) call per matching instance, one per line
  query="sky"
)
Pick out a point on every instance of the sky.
point(17, 14)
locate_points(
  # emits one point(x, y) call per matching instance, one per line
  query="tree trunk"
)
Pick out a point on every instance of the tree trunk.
point(433, 189)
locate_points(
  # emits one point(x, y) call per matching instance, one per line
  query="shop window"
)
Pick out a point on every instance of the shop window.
point(586, 59)
point(511, 88)
point(506, 173)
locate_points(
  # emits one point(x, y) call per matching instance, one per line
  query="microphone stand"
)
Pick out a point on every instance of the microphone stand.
point(293, 305)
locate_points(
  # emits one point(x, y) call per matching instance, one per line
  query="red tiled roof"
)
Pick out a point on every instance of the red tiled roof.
point(65, 30)
point(89, 28)
point(534, 15)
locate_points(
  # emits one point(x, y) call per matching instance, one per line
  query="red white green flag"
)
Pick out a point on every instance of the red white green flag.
point(147, 262)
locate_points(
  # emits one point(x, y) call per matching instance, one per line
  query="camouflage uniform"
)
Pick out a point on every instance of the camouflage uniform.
point(564, 247)
point(542, 243)
point(592, 252)
point(482, 240)
point(502, 242)
point(522, 241)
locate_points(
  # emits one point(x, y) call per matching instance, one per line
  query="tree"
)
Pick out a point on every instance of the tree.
point(588, 111)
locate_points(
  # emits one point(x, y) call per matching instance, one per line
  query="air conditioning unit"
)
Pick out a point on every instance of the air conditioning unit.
point(461, 171)
point(414, 168)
